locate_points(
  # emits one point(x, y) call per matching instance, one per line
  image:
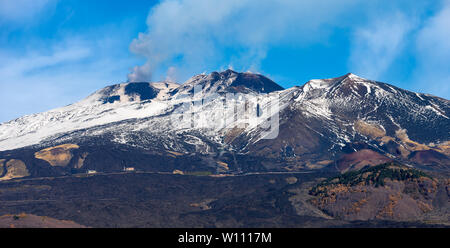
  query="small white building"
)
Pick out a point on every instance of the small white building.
point(91, 171)
point(128, 168)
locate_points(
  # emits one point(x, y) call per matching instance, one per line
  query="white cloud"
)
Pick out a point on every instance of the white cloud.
point(412, 34)
point(433, 53)
point(20, 11)
point(377, 45)
point(433, 39)
point(197, 35)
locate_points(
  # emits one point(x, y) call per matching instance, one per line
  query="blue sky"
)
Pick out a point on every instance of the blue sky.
point(55, 52)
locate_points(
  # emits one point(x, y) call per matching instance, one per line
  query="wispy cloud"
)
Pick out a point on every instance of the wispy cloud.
point(377, 45)
point(21, 66)
point(66, 71)
point(22, 11)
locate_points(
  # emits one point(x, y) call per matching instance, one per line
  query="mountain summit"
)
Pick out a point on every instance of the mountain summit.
point(230, 81)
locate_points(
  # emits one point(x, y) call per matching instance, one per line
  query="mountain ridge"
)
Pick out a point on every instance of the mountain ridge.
point(319, 122)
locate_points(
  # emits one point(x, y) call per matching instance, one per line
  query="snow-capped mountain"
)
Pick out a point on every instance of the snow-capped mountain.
point(347, 114)
point(232, 113)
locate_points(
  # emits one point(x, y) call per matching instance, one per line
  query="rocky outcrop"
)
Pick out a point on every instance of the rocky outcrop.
point(15, 169)
point(58, 155)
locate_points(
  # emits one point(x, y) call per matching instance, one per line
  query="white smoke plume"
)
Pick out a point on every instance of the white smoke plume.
point(197, 35)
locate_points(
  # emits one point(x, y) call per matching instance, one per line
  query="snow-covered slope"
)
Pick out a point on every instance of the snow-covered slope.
point(108, 105)
point(350, 98)
point(317, 121)
point(146, 106)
